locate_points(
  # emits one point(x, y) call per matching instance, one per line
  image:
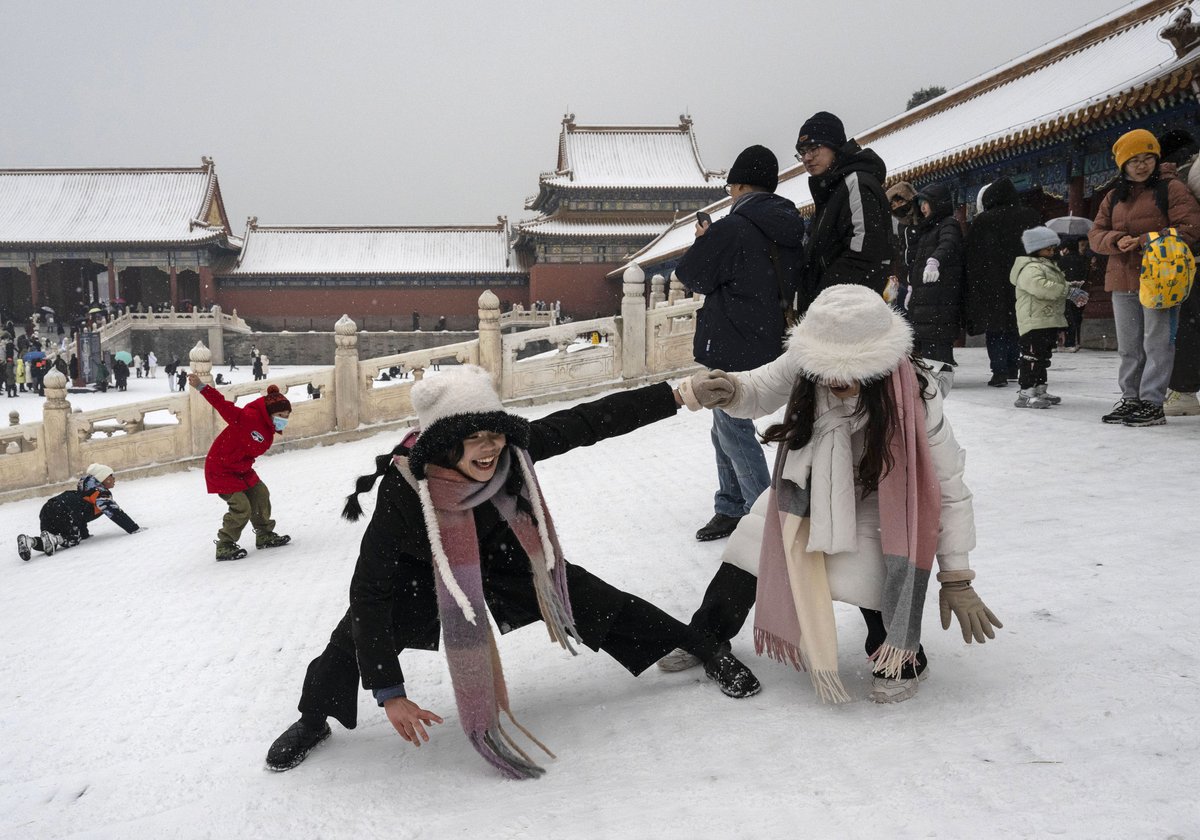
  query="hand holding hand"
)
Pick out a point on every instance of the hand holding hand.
point(974, 618)
point(932, 270)
point(406, 717)
point(708, 389)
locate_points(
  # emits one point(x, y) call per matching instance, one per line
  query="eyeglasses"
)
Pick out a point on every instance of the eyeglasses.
point(807, 151)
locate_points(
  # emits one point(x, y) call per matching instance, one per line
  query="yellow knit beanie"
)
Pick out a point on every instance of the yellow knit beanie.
point(1136, 142)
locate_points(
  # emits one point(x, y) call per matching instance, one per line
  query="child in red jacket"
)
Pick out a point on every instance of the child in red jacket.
point(229, 467)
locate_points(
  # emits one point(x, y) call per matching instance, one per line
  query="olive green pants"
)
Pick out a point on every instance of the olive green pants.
point(253, 506)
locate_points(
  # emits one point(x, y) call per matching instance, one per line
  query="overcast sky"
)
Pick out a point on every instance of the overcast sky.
point(390, 112)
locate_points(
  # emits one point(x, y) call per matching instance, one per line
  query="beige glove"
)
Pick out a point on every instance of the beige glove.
point(957, 596)
point(708, 389)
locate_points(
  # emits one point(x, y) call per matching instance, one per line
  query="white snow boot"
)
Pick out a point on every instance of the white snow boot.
point(884, 690)
point(1180, 404)
point(50, 543)
point(1029, 398)
point(24, 546)
point(1040, 390)
point(678, 660)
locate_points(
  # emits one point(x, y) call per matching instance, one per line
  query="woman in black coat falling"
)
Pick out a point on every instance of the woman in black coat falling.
point(935, 305)
point(460, 529)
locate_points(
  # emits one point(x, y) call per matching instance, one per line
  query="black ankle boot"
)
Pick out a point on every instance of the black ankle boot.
point(296, 742)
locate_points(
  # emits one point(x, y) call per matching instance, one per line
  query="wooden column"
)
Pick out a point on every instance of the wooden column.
point(174, 285)
point(33, 283)
point(208, 294)
point(1075, 200)
point(112, 281)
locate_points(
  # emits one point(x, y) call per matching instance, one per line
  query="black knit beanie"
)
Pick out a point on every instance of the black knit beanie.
point(756, 166)
point(823, 129)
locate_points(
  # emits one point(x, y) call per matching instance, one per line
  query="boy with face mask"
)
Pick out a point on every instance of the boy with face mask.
point(229, 466)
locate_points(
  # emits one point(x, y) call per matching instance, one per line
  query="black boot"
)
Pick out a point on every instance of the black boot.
point(717, 527)
point(296, 742)
point(734, 678)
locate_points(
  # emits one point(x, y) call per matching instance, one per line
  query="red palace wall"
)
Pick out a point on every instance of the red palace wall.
point(583, 289)
point(370, 308)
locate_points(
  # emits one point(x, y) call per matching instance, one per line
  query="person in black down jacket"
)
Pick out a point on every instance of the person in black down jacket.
point(746, 266)
point(64, 518)
point(935, 303)
point(461, 528)
point(849, 240)
point(992, 245)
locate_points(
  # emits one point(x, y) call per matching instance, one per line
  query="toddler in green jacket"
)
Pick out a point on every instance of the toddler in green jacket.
point(1042, 288)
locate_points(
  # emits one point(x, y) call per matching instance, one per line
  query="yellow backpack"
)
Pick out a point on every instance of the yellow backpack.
point(1168, 268)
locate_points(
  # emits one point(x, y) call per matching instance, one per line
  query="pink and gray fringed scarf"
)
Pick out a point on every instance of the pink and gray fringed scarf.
point(448, 499)
point(794, 618)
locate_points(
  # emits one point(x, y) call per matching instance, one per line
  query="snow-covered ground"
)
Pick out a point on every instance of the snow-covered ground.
point(141, 683)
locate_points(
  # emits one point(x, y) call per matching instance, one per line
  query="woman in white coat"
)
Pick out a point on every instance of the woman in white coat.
point(867, 488)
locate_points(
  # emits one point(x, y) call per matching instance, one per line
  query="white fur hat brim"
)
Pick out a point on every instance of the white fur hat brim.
point(850, 334)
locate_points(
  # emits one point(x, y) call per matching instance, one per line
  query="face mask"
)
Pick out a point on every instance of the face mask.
point(280, 422)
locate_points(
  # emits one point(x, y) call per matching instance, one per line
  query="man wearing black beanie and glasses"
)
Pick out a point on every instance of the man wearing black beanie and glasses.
point(746, 266)
point(849, 237)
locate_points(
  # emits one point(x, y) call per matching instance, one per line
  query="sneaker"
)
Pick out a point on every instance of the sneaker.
point(1124, 408)
point(230, 551)
point(719, 526)
point(678, 660)
point(998, 380)
point(1074, 348)
point(734, 678)
point(1028, 398)
point(1181, 404)
point(50, 543)
point(294, 745)
point(1150, 414)
point(884, 690)
point(1040, 390)
point(23, 550)
point(269, 539)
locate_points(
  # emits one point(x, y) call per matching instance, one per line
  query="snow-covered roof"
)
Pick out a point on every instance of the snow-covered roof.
point(624, 156)
point(1117, 63)
point(592, 228)
point(1044, 92)
point(375, 250)
point(110, 206)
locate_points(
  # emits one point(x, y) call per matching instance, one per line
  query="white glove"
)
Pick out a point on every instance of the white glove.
point(932, 272)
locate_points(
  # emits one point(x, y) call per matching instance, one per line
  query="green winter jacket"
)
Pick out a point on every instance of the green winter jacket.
point(1041, 291)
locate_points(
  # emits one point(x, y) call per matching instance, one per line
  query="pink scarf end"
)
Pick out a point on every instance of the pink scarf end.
point(772, 646)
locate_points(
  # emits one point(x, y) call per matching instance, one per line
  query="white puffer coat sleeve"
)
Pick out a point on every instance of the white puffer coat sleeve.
point(766, 389)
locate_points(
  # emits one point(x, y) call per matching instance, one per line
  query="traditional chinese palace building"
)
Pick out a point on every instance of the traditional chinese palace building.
point(613, 189)
point(144, 236)
point(308, 277)
point(1046, 119)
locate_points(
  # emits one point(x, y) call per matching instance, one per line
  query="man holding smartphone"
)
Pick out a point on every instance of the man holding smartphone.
point(746, 266)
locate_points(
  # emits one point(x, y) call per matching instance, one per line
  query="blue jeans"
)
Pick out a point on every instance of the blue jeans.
point(742, 473)
point(1003, 351)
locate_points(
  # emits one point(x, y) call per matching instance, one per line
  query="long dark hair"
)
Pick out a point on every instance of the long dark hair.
point(796, 428)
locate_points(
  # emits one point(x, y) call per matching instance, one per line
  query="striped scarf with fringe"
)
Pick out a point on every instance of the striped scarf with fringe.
point(448, 499)
point(793, 620)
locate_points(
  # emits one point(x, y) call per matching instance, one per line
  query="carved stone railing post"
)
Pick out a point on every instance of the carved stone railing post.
point(678, 292)
point(345, 374)
point(56, 414)
point(216, 336)
point(490, 341)
point(657, 290)
point(633, 322)
point(201, 417)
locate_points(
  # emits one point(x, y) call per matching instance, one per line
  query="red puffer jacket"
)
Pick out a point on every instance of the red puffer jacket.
point(229, 467)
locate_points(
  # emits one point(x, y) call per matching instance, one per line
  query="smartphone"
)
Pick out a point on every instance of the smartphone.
point(703, 218)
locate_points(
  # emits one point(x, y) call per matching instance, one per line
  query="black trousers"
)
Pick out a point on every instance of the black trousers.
point(629, 629)
point(1185, 372)
point(1074, 324)
point(1036, 347)
point(730, 596)
point(55, 517)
